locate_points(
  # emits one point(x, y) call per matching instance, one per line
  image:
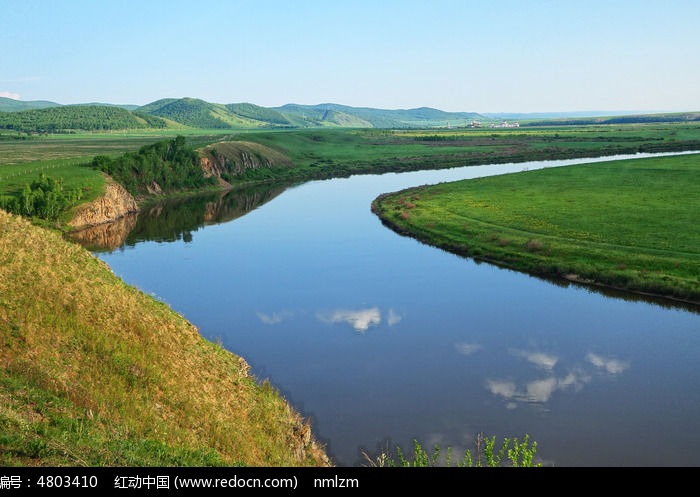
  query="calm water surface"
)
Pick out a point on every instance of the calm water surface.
point(380, 340)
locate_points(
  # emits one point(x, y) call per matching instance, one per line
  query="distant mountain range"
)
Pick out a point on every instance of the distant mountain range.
point(199, 113)
point(45, 116)
point(11, 105)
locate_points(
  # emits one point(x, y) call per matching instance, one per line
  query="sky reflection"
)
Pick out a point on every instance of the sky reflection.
point(541, 390)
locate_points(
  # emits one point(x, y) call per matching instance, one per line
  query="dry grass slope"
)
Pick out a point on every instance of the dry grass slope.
point(95, 372)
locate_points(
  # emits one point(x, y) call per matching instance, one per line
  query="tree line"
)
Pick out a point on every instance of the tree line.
point(164, 166)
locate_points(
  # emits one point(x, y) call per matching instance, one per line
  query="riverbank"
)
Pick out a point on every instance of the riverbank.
point(122, 380)
point(627, 225)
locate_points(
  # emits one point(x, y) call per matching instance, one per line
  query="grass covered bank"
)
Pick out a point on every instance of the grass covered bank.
point(630, 224)
point(96, 373)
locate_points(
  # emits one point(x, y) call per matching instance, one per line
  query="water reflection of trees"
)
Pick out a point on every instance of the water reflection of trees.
point(177, 218)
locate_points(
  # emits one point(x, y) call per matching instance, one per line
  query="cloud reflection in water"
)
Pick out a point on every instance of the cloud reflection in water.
point(393, 317)
point(275, 317)
point(360, 319)
point(610, 366)
point(467, 348)
point(540, 390)
point(539, 359)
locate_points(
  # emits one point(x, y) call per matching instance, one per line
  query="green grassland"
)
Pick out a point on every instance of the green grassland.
point(326, 152)
point(440, 148)
point(68, 157)
point(629, 224)
point(18, 148)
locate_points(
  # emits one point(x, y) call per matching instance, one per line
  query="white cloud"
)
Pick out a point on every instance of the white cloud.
point(393, 317)
point(539, 359)
point(541, 390)
point(505, 389)
point(7, 94)
point(274, 318)
point(612, 366)
point(574, 380)
point(361, 319)
point(536, 391)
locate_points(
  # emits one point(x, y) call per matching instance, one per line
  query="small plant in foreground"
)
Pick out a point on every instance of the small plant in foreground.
point(512, 452)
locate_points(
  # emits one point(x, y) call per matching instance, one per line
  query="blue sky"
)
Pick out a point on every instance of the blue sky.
point(480, 55)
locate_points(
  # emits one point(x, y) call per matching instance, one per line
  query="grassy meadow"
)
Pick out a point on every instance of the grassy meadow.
point(326, 153)
point(629, 224)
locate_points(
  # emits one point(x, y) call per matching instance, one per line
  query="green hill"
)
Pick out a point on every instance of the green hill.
point(41, 116)
point(96, 373)
point(308, 116)
point(199, 114)
point(77, 117)
point(425, 117)
point(103, 104)
point(12, 105)
point(257, 113)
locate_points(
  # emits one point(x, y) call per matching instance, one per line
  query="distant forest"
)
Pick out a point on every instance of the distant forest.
point(77, 117)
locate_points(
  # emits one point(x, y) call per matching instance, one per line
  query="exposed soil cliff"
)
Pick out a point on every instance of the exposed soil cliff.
point(226, 159)
point(115, 203)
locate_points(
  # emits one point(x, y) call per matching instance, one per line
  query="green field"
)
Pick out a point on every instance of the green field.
point(67, 156)
point(629, 224)
point(327, 153)
point(336, 153)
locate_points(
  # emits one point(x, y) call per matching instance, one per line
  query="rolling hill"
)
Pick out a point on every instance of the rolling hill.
point(382, 118)
point(77, 117)
point(12, 105)
point(201, 114)
point(45, 116)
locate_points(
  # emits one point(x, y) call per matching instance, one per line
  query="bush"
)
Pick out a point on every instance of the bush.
point(44, 198)
point(166, 166)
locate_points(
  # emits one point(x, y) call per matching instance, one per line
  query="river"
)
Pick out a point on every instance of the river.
point(379, 339)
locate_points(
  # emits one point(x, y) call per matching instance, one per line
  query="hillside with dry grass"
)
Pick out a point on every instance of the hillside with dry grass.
point(97, 373)
point(228, 160)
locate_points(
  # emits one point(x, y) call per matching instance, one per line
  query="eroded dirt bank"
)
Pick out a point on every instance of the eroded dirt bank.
point(115, 203)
